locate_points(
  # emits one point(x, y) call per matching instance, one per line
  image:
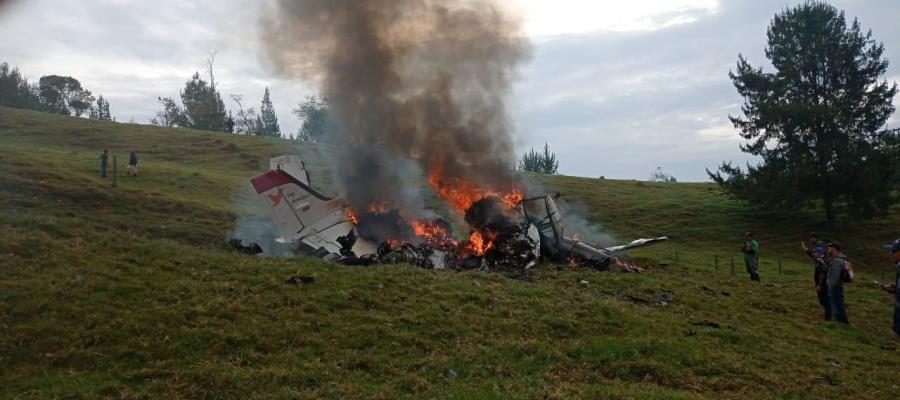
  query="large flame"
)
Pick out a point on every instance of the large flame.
point(461, 194)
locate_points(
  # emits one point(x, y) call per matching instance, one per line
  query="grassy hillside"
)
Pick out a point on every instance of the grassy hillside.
point(130, 292)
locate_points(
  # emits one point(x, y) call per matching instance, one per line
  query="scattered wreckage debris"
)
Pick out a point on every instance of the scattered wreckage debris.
point(509, 233)
point(300, 280)
point(239, 246)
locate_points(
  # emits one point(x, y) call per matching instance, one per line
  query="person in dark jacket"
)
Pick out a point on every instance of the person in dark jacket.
point(133, 163)
point(104, 163)
point(835, 280)
point(820, 277)
point(812, 241)
point(894, 248)
point(815, 249)
point(751, 256)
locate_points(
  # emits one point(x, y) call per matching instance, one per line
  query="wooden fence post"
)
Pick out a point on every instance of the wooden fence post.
point(115, 172)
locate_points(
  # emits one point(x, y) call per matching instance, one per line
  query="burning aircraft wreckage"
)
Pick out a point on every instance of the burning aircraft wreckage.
point(414, 87)
point(509, 232)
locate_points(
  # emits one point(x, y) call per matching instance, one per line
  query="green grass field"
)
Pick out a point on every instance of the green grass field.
point(131, 292)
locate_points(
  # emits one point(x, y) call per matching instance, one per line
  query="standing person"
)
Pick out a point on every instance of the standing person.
point(815, 249)
point(836, 265)
point(132, 164)
point(811, 242)
point(820, 277)
point(894, 248)
point(104, 163)
point(751, 256)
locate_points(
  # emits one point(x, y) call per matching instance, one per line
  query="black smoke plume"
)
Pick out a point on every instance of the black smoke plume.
point(407, 80)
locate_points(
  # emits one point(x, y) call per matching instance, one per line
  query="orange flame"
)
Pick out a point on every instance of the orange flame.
point(433, 233)
point(462, 194)
point(351, 216)
point(513, 198)
point(479, 244)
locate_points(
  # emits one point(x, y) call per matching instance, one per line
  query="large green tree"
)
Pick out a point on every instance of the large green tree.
point(203, 105)
point(64, 95)
point(817, 123)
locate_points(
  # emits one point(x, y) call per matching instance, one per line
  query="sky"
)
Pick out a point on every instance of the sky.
point(615, 88)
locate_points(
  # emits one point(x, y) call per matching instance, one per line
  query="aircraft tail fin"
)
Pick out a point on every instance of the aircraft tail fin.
point(297, 208)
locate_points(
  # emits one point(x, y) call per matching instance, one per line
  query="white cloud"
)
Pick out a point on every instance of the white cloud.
point(543, 17)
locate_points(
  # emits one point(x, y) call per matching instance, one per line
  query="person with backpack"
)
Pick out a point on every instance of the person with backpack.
point(104, 163)
point(839, 271)
point(894, 248)
point(751, 256)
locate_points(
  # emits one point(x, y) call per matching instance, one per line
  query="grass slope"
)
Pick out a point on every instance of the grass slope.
point(128, 292)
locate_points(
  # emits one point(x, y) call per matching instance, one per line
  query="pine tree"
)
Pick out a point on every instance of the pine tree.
point(817, 122)
point(268, 121)
point(101, 110)
point(542, 163)
point(15, 91)
point(203, 105)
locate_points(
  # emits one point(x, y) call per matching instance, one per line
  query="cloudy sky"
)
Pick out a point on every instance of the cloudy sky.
point(616, 88)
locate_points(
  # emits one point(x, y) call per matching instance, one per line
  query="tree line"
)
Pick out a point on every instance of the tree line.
point(199, 105)
point(202, 107)
point(53, 93)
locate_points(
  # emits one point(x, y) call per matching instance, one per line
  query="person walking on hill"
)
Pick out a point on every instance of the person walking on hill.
point(751, 256)
point(815, 249)
point(837, 265)
point(894, 248)
point(132, 164)
point(104, 163)
point(820, 278)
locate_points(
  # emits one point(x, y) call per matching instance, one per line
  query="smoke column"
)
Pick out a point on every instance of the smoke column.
point(417, 83)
